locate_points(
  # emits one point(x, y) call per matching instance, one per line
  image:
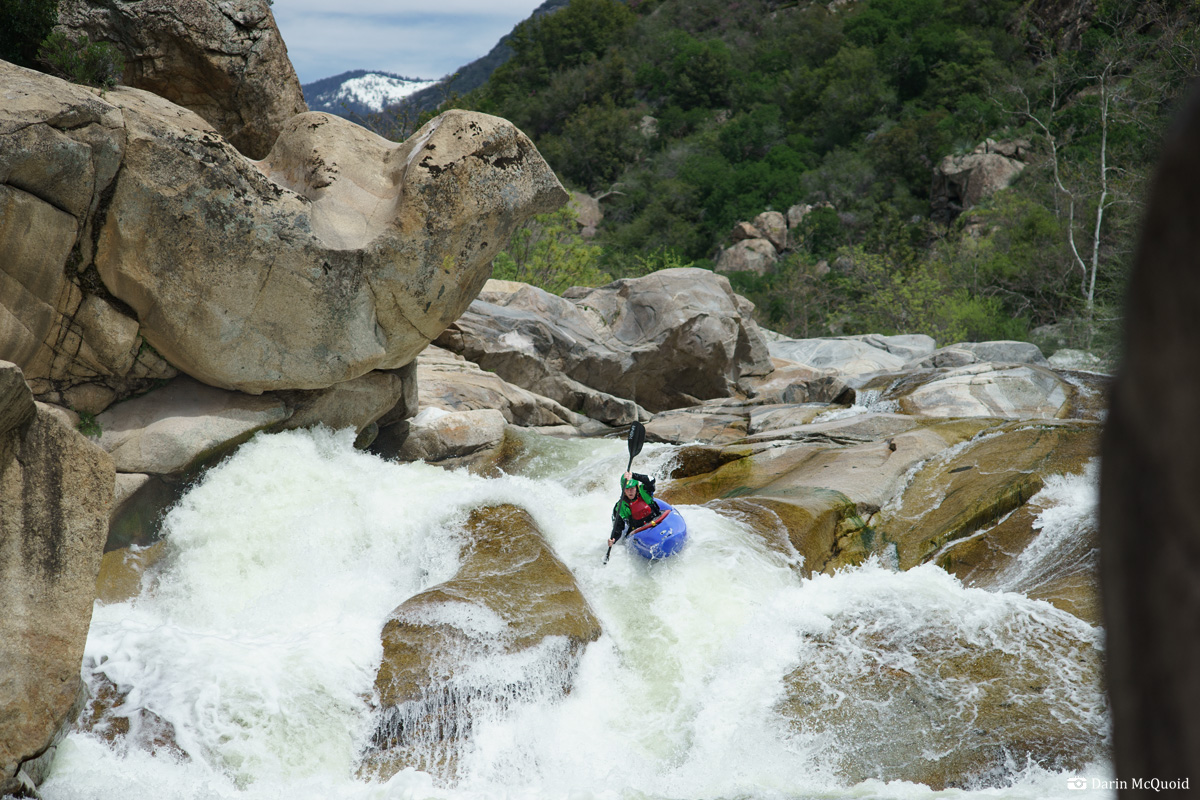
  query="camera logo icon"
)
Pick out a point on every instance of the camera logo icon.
point(1077, 783)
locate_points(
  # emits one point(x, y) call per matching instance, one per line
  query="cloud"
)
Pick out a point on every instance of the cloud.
point(424, 41)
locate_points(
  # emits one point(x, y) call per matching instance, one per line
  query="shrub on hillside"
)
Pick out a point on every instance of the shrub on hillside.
point(82, 60)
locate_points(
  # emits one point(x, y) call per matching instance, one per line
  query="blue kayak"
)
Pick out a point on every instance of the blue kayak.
point(664, 539)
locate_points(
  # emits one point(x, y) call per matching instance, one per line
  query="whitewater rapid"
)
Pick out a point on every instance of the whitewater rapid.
point(257, 639)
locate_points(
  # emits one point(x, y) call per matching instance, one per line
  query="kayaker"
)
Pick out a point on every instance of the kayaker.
point(636, 506)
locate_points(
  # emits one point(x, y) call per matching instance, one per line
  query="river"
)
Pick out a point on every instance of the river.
point(257, 639)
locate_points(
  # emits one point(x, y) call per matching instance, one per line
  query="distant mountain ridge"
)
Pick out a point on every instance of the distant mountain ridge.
point(340, 94)
point(360, 92)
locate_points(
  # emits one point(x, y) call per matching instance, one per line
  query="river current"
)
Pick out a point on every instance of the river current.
point(257, 639)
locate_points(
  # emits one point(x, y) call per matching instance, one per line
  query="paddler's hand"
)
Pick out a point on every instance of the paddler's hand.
point(611, 542)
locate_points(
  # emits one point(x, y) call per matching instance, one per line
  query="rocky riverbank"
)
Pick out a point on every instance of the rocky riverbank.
point(166, 297)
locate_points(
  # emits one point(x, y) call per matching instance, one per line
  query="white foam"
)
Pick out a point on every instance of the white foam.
point(259, 640)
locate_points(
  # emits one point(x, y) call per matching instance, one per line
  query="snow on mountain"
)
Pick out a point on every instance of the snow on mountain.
point(359, 92)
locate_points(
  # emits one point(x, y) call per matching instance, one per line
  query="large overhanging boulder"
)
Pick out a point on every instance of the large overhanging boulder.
point(225, 61)
point(339, 253)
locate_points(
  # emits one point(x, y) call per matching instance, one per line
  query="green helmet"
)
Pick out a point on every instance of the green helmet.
point(628, 482)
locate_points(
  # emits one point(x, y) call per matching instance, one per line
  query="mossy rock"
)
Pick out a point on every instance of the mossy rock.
point(121, 571)
point(988, 559)
point(814, 528)
point(699, 460)
point(971, 488)
point(138, 521)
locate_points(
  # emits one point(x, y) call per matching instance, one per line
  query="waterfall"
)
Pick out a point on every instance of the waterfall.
point(721, 673)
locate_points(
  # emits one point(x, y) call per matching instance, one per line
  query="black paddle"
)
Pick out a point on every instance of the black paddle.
point(637, 438)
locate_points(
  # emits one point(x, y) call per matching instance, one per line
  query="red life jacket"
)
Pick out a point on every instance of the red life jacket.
point(639, 509)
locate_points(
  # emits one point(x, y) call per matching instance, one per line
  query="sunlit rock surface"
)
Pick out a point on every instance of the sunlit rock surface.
point(159, 246)
point(958, 492)
point(854, 355)
point(56, 487)
point(339, 253)
point(511, 622)
point(170, 430)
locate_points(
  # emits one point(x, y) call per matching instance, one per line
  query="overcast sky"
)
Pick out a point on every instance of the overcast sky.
point(426, 39)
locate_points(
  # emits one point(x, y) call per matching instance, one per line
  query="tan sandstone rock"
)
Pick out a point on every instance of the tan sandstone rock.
point(961, 491)
point(339, 253)
point(961, 182)
point(354, 403)
point(748, 255)
point(55, 491)
point(225, 61)
point(774, 228)
point(512, 606)
point(663, 341)
point(436, 435)
point(60, 148)
point(172, 429)
point(451, 383)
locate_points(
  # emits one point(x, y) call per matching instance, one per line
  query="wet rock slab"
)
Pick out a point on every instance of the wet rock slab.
point(509, 626)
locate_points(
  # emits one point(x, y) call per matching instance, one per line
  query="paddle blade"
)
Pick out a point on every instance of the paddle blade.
point(637, 438)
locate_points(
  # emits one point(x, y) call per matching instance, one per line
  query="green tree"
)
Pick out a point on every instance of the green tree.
point(1096, 113)
point(26, 23)
point(548, 252)
point(82, 60)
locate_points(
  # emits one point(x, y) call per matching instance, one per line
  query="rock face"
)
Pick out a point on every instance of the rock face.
point(854, 355)
point(339, 253)
point(748, 255)
point(927, 465)
point(963, 353)
point(588, 214)
point(346, 253)
point(954, 495)
point(451, 383)
point(1150, 468)
point(512, 605)
point(436, 435)
point(663, 341)
point(225, 61)
point(877, 662)
point(774, 227)
point(988, 390)
point(168, 431)
point(60, 149)
point(55, 491)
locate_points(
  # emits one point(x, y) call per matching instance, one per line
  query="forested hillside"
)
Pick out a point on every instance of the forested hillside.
point(690, 115)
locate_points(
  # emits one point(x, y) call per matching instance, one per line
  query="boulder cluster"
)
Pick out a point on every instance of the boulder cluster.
point(757, 245)
point(186, 260)
point(960, 182)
